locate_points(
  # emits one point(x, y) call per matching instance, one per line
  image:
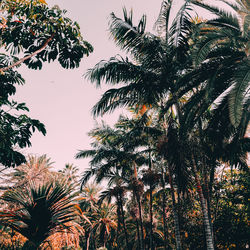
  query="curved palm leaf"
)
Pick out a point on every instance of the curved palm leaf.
point(239, 93)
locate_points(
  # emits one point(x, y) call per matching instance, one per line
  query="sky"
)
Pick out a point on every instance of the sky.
point(62, 99)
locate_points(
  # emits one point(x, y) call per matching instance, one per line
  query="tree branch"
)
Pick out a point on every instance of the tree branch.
point(27, 57)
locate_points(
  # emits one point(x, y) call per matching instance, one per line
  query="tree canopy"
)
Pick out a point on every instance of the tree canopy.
point(31, 33)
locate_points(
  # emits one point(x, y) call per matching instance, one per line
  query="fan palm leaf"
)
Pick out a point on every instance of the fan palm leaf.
point(40, 211)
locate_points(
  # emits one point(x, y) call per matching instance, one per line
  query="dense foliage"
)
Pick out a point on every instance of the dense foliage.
point(175, 174)
point(31, 33)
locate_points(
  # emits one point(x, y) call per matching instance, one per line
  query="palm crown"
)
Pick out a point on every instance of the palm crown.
point(38, 211)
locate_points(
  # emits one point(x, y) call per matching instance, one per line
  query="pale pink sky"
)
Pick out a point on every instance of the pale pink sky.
point(62, 99)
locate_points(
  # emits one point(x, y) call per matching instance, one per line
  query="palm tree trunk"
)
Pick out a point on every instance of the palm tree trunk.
point(208, 231)
point(140, 219)
point(207, 192)
point(150, 206)
point(138, 199)
point(164, 210)
point(151, 216)
point(164, 219)
point(138, 234)
point(87, 245)
point(118, 222)
point(123, 223)
point(176, 217)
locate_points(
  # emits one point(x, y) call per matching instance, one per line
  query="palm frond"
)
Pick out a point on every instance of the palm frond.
point(133, 39)
point(162, 23)
point(127, 96)
point(41, 211)
point(114, 71)
point(85, 154)
point(181, 26)
point(246, 23)
point(238, 6)
point(214, 9)
point(87, 174)
point(204, 48)
point(238, 92)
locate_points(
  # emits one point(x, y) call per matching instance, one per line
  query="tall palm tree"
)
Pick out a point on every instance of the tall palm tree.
point(158, 61)
point(221, 58)
point(117, 192)
point(144, 126)
point(161, 74)
point(38, 211)
point(113, 157)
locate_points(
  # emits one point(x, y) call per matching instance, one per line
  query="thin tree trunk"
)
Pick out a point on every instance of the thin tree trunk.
point(207, 192)
point(141, 225)
point(150, 206)
point(123, 223)
point(29, 56)
point(139, 207)
point(151, 217)
point(138, 234)
point(176, 217)
point(87, 245)
point(211, 181)
point(164, 210)
point(208, 231)
point(119, 221)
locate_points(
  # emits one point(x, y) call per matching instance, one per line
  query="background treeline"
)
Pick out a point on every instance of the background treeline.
point(99, 216)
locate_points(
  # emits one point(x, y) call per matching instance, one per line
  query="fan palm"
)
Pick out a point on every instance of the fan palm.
point(38, 211)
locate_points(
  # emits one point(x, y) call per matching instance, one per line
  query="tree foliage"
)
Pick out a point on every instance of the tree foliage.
point(31, 33)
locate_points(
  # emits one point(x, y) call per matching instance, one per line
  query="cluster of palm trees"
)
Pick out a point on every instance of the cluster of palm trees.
point(187, 89)
point(49, 212)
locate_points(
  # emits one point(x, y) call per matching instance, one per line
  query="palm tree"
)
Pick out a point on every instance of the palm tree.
point(35, 169)
point(70, 175)
point(144, 126)
point(103, 225)
point(157, 62)
point(114, 157)
point(89, 196)
point(161, 74)
point(88, 202)
point(118, 192)
point(221, 57)
point(152, 76)
point(223, 49)
point(38, 211)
